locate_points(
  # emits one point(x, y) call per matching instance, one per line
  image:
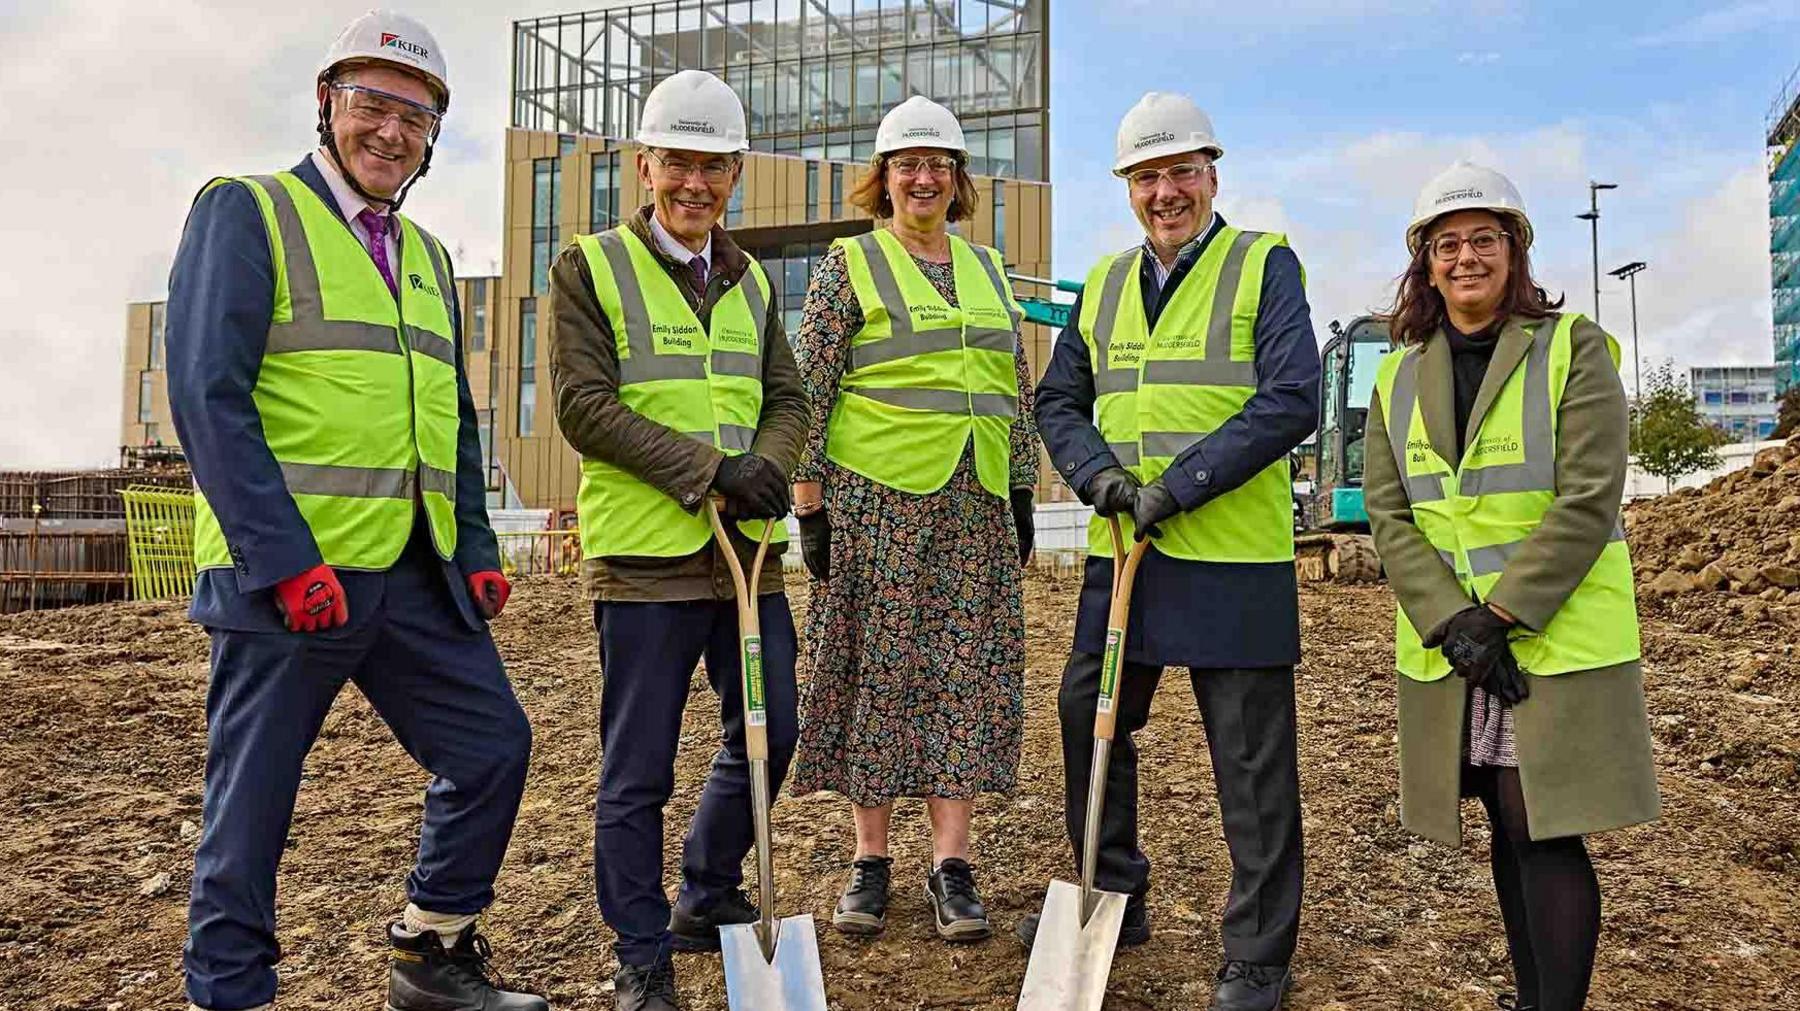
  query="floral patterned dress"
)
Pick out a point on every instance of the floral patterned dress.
point(913, 654)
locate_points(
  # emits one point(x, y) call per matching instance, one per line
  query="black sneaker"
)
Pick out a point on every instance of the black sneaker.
point(698, 929)
point(862, 909)
point(1133, 930)
point(954, 904)
point(646, 987)
point(423, 975)
point(1248, 986)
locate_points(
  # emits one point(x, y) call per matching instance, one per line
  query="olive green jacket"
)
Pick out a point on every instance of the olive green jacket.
point(1583, 738)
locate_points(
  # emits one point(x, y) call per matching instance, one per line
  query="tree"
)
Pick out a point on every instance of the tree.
point(1787, 416)
point(1669, 438)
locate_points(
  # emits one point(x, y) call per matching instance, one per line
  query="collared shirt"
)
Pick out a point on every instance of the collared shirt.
point(672, 247)
point(1187, 252)
point(350, 205)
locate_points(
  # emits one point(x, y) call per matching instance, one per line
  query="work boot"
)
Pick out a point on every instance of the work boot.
point(1248, 986)
point(1133, 930)
point(698, 929)
point(423, 975)
point(646, 987)
point(862, 909)
point(954, 904)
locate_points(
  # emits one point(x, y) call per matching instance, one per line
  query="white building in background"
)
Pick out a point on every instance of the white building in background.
point(1740, 399)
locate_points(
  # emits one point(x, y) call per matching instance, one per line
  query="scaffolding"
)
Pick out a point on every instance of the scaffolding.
point(1784, 229)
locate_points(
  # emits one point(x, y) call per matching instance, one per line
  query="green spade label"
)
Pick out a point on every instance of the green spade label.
point(1109, 669)
point(753, 682)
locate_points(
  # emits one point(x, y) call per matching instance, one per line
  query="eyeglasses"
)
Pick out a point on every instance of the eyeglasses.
point(913, 164)
point(374, 108)
point(1485, 243)
point(1184, 174)
point(713, 170)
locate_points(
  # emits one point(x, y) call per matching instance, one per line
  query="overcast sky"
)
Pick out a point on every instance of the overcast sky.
point(1332, 113)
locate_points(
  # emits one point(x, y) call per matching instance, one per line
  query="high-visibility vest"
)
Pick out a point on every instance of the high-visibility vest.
point(924, 376)
point(704, 382)
point(1478, 513)
point(357, 392)
point(1160, 390)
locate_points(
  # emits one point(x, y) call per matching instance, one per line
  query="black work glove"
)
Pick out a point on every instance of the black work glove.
point(1022, 522)
point(754, 488)
point(1475, 643)
point(1155, 503)
point(1112, 491)
point(815, 544)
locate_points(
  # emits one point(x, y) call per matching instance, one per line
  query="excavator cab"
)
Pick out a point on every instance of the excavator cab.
point(1333, 525)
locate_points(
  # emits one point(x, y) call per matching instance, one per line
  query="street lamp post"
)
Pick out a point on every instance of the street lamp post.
point(1592, 217)
point(1629, 272)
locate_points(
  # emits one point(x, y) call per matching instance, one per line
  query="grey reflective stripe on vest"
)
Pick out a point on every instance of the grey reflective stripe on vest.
point(989, 405)
point(993, 273)
point(743, 363)
point(1491, 559)
point(1168, 443)
point(1106, 378)
point(897, 346)
point(986, 338)
point(309, 330)
point(349, 482)
point(738, 437)
point(641, 363)
point(1218, 369)
point(1125, 452)
point(431, 345)
point(1538, 470)
point(1405, 397)
point(736, 363)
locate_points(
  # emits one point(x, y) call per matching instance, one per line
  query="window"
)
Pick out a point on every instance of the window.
point(527, 367)
point(812, 191)
point(1713, 397)
point(603, 209)
point(157, 332)
point(477, 313)
point(1740, 396)
point(153, 434)
point(1000, 218)
point(837, 191)
point(1765, 428)
point(144, 414)
point(546, 181)
point(734, 207)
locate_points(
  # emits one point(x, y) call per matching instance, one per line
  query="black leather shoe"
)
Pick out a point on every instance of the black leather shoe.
point(862, 909)
point(955, 905)
point(1247, 986)
point(698, 929)
point(1133, 930)
point(646, 987)
point(423, 975)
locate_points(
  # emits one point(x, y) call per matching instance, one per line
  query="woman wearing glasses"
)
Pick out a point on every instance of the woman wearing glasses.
point(914, 499)
point(1495, 507)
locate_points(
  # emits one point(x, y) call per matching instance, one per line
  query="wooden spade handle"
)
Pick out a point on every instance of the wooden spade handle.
point(1112, 656)
point(756, 719)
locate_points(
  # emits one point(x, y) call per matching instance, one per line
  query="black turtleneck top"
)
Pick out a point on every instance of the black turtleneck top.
point(1469, 357)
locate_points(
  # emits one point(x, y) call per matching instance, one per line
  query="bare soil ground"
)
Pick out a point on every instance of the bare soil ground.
point(100, 771)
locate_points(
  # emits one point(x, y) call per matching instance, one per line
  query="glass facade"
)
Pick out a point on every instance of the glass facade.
point(1784, 230)
point(477, 313)
point(816, 76)
point(527, 366)
point(1740, 400)
point(603, 208)
point(790, 266)
point(158, 346)
point(144, 394)
point(546, 194)
point(1000, 219)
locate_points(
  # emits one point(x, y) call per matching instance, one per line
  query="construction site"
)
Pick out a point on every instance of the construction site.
point(106, 677)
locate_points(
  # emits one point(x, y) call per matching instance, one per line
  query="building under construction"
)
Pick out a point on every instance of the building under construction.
point(1784, 230)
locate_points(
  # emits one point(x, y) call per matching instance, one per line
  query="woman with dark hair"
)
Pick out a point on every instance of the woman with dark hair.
point(914, 499)
point(1497, 443)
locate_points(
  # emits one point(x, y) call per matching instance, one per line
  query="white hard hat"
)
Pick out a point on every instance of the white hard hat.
point(391, 38)
point(919, 122)
point(1466, 186)
point(1161, 124)
point(694, 111)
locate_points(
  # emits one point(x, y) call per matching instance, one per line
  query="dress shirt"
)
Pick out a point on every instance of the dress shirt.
point(350, 205)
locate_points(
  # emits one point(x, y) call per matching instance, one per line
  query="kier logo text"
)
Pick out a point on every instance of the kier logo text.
point(391, 41)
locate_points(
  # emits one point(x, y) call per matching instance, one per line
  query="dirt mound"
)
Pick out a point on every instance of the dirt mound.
point(1740, 534)
point(101, 765)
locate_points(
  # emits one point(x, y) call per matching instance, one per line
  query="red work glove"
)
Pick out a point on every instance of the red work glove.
point(490, 590)
point(313, 601)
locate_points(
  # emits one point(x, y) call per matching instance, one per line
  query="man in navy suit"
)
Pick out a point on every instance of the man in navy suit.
point(317, 383)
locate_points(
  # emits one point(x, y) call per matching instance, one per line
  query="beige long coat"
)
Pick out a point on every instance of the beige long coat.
point(1583, 737)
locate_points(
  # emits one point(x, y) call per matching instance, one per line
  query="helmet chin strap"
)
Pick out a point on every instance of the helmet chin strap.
point(329, 139)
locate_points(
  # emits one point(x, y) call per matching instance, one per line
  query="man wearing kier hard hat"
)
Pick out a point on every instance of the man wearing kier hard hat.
point(316, 379)
point(675, 382)
point(1184, 378)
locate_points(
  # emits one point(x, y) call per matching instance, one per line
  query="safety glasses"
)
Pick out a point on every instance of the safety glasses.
point(374, 108)
point(1486, 242)
point(1182, 175)
point(713, 170)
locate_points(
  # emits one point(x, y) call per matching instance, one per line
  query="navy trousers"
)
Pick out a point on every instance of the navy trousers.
point(647, 657)
point(442, 689)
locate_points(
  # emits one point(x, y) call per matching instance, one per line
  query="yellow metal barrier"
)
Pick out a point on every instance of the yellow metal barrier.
point(539, 552)
point(159, 525)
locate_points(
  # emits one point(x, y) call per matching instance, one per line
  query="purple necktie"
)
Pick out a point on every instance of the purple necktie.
point(698, 266)
point(377, 226)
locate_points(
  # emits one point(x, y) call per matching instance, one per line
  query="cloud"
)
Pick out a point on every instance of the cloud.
point(1475, 59)
point(1722, 23)
point(168, 96)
